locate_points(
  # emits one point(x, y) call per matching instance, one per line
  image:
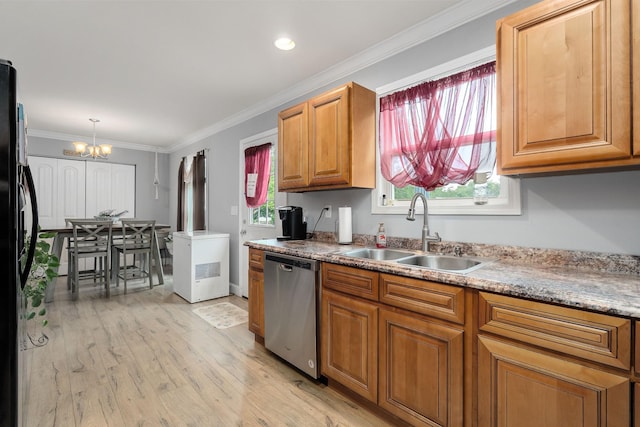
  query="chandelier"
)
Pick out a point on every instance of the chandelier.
point(101, 151)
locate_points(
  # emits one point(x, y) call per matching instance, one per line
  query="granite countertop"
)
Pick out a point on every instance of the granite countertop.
point(604, 283)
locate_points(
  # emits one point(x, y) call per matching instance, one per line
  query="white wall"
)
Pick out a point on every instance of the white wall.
point(595, 212)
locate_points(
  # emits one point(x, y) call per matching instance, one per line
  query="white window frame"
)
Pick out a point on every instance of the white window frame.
point(507, 203)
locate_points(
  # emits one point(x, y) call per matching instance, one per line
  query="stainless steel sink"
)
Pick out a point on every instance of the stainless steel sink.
point(444, 262)
point(450, 263)
point(382, 254)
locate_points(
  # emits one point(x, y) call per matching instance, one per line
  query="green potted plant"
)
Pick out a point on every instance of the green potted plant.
point(42, 271)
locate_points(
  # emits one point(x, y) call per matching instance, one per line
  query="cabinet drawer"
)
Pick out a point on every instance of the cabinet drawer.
point(256, 258)
point(422, 296)
point(354, 281)
point(591, 336)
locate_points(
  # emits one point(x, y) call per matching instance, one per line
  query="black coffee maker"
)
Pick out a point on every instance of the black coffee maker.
point(293, 227)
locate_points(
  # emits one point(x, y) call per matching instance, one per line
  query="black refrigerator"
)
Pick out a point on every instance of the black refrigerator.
point(16, 188)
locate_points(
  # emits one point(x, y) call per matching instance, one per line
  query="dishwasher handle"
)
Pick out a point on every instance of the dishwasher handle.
point(291, 261)
point(286, 268)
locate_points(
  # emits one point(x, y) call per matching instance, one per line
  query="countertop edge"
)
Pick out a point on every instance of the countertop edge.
point(603, 292)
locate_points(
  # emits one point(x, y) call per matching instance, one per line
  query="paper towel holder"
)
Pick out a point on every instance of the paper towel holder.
point(343, 232)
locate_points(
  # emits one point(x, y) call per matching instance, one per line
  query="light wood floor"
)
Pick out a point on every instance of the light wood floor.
point(144, 359)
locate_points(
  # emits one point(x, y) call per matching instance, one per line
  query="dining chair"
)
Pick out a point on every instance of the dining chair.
point(91, 240)
point(136, 241)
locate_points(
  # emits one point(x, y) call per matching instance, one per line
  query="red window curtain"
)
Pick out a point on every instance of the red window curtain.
point(257, 171)
point(439, 132)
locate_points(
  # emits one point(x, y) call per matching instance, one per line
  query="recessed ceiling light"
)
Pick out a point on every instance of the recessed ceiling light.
point(284, 43)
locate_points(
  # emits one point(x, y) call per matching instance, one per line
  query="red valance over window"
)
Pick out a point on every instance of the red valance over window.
point(257, 170)
point(439, 132)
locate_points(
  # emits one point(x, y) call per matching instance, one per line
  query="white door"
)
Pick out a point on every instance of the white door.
point(111, 186)
point(60, 192)
point(251, 229)
point(98, 187)
point(71, 190)
point(70, 200)
point(123, 189)
point(44, 171)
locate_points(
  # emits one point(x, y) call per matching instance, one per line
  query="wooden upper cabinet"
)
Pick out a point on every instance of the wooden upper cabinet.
point(293, 143)
point(635, 67)
point(329, 138)
point(564, 98)
point(328, 142)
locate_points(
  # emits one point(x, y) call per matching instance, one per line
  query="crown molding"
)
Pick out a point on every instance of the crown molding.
point(447, 20)
point(70, 138)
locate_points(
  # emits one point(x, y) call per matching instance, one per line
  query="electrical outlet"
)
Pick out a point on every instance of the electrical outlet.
point(327, 213)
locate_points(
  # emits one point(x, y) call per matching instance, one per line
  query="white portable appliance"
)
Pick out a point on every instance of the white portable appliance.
point(200, 265)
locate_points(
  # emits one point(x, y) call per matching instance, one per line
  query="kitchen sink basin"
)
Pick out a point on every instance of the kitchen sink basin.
point(444, 262)
point(381, 254)
point(450, 263)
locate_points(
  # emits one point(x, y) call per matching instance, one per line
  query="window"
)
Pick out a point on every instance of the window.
point(265, 214)
point(503, 194)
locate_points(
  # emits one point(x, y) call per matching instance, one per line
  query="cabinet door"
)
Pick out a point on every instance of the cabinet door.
point(564, 97)
point(293, 148)
point(329, 138)
point(518, 387)
point(256, 301)
point(350, 343)
point(421, 370)
point(636, 405)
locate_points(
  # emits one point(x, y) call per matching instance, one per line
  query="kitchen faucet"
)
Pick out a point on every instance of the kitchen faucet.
point(411, 216)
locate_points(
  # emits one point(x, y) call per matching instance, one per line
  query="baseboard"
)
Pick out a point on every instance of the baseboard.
point(234, 289)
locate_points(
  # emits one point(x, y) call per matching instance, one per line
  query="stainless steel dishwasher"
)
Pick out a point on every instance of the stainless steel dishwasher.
point(290, 310)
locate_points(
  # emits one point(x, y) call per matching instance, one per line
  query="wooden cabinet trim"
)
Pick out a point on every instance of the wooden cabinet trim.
point(591, 336)
point(351, 280)
point(430, 298)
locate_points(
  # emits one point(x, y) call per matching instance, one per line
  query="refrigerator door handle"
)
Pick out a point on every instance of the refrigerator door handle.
point(31, 189)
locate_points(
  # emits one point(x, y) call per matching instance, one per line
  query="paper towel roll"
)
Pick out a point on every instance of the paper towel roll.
point(344, 225)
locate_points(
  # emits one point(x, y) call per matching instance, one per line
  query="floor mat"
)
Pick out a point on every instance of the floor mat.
point(222, 315)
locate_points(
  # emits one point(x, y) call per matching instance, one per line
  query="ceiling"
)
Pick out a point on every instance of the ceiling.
point(162, 74)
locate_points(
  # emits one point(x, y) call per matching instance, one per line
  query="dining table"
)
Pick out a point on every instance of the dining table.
point(62, 233)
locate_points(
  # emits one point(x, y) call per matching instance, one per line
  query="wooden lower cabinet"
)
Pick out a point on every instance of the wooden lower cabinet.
point(350, 343)
point(421, 370)
point(256, 292)
point(519, 387)
point(636, 404)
